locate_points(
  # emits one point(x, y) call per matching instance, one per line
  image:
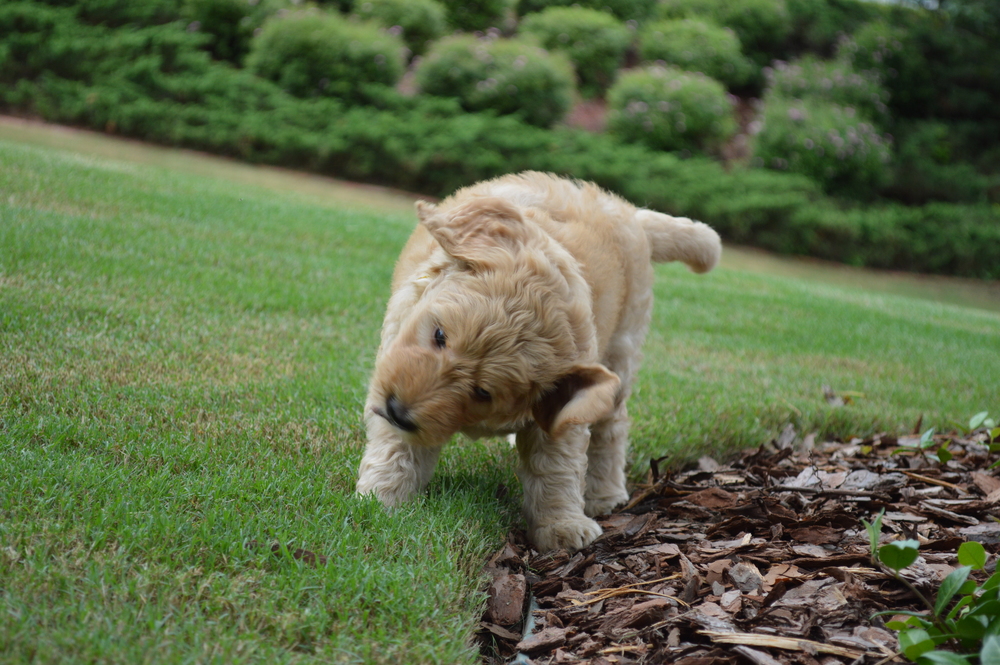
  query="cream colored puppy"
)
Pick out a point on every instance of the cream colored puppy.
point(519, 305)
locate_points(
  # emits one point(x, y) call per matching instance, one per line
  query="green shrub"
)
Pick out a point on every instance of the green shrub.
point(928, 168)
point(819, 25)
point(477, 14)
point(626, 10)
point(762, 25)
point(832, 81)
point(230, 24)
point(502, 75)
point(594, 41)
point(416, 21)
point(118, 13)
point(309, 53)
point(666, 108)
point(832, 144)
point(696, 46)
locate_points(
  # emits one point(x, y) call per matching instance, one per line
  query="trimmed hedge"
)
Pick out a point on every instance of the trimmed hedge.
point(667, 108)
point(503, 75)
point(311, 53)
point(697, 46)
point(594, 41)
point(831, 81)
point(172, 93)
point(418, 22)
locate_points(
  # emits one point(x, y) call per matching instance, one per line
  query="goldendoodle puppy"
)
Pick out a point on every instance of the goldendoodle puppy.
point(519, 305)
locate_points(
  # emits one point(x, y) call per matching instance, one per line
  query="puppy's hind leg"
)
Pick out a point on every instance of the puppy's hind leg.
point(392, 469)
point(606, 464)
point(552, 474)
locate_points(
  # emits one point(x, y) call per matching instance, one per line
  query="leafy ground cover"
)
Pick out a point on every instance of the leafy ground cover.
point(183, 355)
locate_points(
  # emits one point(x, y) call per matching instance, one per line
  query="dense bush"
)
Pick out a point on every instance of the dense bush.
point(594, 41)
point(928, 168)
point(502, 75)
point(417, 21)
point(626, 10)
point(310, 53)
point(666, 108)
point(696, 46)
point(762, 25)
point(833, 81)
point(230, 24)
point(477, 14)
point(834, 145)
point(117, 13)
point(819, 25)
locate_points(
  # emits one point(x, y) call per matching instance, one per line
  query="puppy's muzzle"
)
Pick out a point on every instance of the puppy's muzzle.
point(397, 414)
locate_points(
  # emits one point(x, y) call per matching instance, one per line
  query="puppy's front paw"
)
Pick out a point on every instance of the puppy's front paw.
point(604, 505)
point(570, 534)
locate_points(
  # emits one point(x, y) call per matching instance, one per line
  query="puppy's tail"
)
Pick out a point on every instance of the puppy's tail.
point(680, 239)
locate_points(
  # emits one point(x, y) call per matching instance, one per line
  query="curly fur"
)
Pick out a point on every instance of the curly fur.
point(519, 305)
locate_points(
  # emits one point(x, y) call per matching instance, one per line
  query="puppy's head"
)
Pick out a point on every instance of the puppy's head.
point(497, 333)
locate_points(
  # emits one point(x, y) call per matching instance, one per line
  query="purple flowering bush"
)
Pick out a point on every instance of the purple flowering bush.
point(832, 81)
point(503, 75)
point(835, 145)
point(667, 108)
point(697, 46)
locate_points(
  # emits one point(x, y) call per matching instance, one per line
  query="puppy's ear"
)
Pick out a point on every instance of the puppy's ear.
point(585, 395)
point(476, 230)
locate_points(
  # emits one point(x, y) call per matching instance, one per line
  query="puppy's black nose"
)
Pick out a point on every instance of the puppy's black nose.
point(399, 415)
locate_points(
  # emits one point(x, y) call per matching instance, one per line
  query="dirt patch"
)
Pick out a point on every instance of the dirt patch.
point(760, 561)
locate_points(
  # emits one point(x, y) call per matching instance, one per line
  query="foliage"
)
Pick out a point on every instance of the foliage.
point(762, 25)
point(964, 616)
point(118, 13)
point(309, 53)
point(502, 75)
point(819, 25)
point(929, 166)
point(696, 46)
point(666, 108)
point(230, 23)
point(626, 10)
point(477, 14)
point(418, 22)
point(594, 41)
point(831, 81)
point(832, 144)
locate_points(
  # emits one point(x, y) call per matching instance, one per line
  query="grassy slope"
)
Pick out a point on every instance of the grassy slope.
point(182, 366)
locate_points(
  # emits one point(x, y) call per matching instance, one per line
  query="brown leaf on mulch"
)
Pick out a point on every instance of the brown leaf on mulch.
point(763, 561)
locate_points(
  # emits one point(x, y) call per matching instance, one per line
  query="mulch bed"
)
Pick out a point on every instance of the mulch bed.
point(760, 561)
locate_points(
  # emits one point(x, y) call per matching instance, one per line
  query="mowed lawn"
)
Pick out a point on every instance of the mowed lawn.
point(183, 357)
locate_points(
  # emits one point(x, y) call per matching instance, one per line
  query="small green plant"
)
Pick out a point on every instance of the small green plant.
point(666, 108)
point(594, 41)
point(923, 446)
point(962, 624)
point(697, 46)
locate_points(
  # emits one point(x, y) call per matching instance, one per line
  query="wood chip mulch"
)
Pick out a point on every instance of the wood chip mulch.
point(762, 561)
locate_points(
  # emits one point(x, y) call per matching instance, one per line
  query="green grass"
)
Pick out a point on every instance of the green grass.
point(183, 356)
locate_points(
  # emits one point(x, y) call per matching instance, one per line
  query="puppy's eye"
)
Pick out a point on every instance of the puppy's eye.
point(481, 395)
point(439, 338)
